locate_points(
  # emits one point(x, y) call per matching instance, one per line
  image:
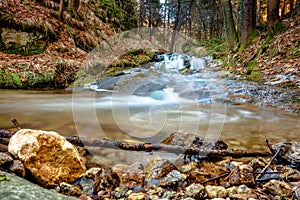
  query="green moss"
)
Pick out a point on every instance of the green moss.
point(32, 50)
point(215, 47)
point(10, 80)
point(251, 36)
point(267, 42)
point(255, 76)
point(242, 47)
point(294, 52)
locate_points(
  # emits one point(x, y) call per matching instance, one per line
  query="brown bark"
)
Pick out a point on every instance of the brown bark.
point(248, 19)
point(273, 12)
point(61, 10)
point(231, 35)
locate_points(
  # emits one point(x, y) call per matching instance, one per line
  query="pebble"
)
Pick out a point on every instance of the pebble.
point(5, 160)
point(279, 188)
point(195, 190)
point(242, 174)
point(174, 178)
point(128, 176)
point(216, 191)
point(137, 196)
point(18, 168)
point(157, 168)
point(69, 190)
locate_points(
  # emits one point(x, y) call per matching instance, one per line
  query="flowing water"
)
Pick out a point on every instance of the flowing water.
point(149, 103)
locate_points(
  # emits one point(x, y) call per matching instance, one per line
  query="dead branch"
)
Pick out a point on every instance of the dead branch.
point(148, 147)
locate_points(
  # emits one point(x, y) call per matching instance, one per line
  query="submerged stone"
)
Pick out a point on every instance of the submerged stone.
point(48, 156)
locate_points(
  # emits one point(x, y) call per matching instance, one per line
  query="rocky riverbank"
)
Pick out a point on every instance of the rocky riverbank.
point(49, 157)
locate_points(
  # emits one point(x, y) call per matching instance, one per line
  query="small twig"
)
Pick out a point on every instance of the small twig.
point(265, 168)
point(16, 123)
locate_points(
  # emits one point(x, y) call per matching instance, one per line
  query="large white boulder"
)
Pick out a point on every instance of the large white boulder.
point(49, 157)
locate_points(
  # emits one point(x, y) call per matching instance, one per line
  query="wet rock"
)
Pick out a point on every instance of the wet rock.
point(195, 190)
point(5, 161)
point(158, 168)
point(86, 182)
point(189, 167)
point(14, 187)
point(189, 198)
point(137, 196)
point(206, 171)
point(216, 191)
point(243, 189)
point(68, 189)
point(92, 172)
point(128, 176)
point(48, 156)
point(18, 168)
point(232, 191)
point(119, 192)
point(291, 174)
point(279, 188)
point(258, 163)
point(104, 181)
point(242, 174)
point(169, 195)
point(174, 178)
point(157, 192)
point(137, 165)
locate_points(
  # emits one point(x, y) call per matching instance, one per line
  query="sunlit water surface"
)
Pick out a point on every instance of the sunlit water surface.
point(137, 119)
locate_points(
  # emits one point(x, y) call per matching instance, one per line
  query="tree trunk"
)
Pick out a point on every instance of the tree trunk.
point(231, 35)
point(73, 7)
point(248, 19)
point(273, 12)
point(61, 10)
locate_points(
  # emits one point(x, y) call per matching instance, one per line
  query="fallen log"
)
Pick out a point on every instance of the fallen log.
point(148, 147)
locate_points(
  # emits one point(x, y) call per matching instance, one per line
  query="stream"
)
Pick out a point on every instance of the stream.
point(148, 103)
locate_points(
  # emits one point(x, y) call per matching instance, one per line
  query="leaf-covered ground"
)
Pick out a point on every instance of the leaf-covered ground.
point(69, 41)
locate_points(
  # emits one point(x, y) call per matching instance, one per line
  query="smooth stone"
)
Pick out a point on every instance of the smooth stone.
point(49, 157)
point(137, 196)
point(128, 176)
point(195, 190)
point(216, 191)
point(14, 187)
